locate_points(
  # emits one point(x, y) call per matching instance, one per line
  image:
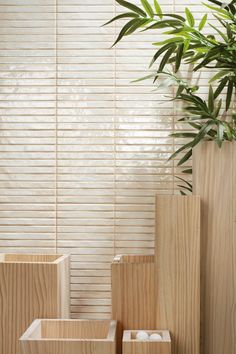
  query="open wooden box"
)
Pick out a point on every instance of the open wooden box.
point(133, 293)
point(131, 345)
point(31, 286)
point(70, 337)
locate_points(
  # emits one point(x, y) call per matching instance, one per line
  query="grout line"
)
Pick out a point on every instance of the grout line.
point(56, 125)
point(115, 106)
point(173, 129)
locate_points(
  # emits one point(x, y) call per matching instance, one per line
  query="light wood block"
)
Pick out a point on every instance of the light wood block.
point(133, 346)
point(70, 337)
point(133, 290)
point(31, 286)
point(177, 263)
point(214, 179)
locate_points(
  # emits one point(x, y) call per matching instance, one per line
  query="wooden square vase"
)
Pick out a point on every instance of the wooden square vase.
point(133, 293)
point(31, 286)
point(70, 337)
point(131, 345)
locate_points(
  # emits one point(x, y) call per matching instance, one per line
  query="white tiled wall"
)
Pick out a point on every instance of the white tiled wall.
point(83, 151)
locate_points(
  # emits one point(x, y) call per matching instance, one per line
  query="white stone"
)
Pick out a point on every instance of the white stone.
point(142, 335)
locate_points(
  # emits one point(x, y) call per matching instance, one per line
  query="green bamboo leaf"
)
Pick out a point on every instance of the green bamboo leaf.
point(225, 38)
point(202, 22)
point(219, 10)
point(211, 99)
point(147, 7)
point(169, 40)
point(220, 87)
point(144, 78)
point(166, 57)
point(185, 187)
point(232, 7)
point(128, 14)
point(178, 17)
point(185, 158)
point(182, 148)
point(183, 180)
point(217, 109)
point(184, 135)
point(228, 131)
point(158, 9)
point(164, 24)
point(189, 171)
point(123, 31)
point(132, 7)
point(219, 75)
point(229, 31)
point(190, 17)
point(179, 90)
point(182, 193)
point(229, 94)
point(216, 2)
point(179, 56)
point(186, 47)
point(139, 23)
point(159, 52)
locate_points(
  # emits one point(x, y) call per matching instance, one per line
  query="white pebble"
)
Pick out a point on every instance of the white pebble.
point(141, 335)
point(155, 337)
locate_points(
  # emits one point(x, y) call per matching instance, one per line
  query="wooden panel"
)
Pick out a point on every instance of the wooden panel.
point(29, 290)
point(215, 181)
point(178, 270)
point(67, 337)
point(133, 300)
point(133, 346)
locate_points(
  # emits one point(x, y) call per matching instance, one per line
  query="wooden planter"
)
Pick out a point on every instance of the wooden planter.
point(133, 346)
point(133, 298)
point(31, 286)
point(214, 179)
point(69, 337)
point(177, 264)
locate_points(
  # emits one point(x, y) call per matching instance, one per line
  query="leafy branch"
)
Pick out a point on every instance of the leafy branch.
point(187, 43)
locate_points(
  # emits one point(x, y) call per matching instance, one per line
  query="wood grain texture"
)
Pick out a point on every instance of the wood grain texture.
point(133, 290)
point(177, 273)
point(214, 179)
point(67, 337)
point(31, 286)
point(133, 346)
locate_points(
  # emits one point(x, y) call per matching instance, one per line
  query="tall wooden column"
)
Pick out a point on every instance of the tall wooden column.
point(214, 179)
point(177, 264)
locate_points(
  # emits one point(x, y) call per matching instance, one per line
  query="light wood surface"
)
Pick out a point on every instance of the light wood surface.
point(178, 270)
point(31, 286)
point(69, 337)
point(214, 179)
point(133, 346)
point(133, 290)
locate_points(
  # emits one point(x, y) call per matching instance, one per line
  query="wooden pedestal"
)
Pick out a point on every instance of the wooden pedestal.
point(133, 294)
point(31, 286)
point(177, 271)
point(69, 337)
point(214, 179)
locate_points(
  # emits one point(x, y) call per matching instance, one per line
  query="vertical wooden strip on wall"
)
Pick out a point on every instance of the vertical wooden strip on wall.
point(214, 179)
point(177, 266)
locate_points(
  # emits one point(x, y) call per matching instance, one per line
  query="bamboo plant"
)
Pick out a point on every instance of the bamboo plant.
point(187, 43)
